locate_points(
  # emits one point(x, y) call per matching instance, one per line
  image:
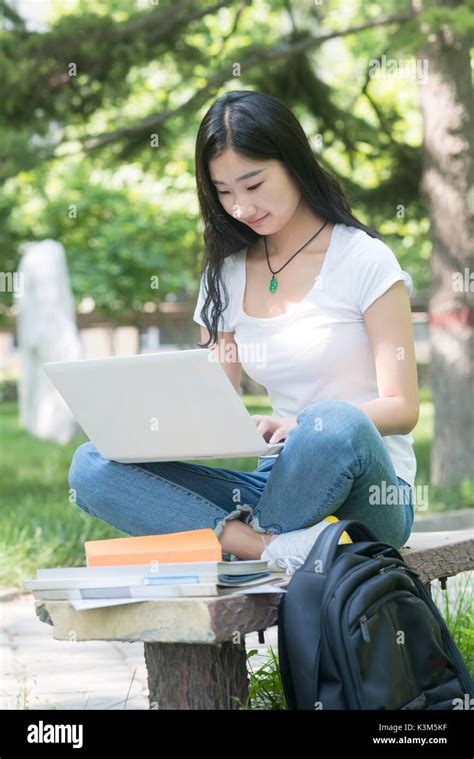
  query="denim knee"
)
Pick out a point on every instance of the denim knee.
point(338, 420)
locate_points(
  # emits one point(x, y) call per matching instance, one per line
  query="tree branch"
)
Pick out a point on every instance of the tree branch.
point(278, 52)
point(378, 112)
point(240, 10)
point(163, 32)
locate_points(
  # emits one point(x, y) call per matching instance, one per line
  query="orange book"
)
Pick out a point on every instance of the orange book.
point(175, 547)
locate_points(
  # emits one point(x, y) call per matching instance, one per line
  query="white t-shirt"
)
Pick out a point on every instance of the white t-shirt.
point(319, 349)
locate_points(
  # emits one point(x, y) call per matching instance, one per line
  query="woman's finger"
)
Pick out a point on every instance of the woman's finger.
point(277, 435)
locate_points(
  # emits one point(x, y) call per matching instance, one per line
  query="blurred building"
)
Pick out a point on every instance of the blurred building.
point(170, 327)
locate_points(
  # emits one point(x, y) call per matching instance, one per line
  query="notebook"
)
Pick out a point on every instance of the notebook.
point(191, 545)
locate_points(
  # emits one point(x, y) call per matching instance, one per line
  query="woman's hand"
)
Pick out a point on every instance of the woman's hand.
point(274, 429)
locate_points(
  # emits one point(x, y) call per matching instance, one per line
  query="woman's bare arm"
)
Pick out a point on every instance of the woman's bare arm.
point(389, 326)
point(226, 353)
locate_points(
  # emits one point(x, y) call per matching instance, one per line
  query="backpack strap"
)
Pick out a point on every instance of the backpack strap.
point(326, 544)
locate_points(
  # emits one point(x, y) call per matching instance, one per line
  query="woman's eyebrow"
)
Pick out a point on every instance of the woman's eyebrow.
point(239, 179)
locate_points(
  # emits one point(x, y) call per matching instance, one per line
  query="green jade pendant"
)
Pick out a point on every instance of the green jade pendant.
point(273, 284)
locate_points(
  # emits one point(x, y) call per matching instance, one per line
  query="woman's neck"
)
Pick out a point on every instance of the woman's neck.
point(301, 227)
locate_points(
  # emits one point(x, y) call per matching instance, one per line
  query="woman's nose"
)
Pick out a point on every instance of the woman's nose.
point(240, 211)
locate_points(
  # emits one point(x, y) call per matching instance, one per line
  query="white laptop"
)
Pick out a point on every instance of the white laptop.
point(169, 406)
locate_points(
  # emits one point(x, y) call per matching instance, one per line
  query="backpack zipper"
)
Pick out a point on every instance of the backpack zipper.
point(364, 628)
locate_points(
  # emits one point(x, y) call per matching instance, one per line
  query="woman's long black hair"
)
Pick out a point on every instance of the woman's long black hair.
point(259, 127)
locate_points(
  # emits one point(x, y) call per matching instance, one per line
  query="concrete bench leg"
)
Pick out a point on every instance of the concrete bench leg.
point(196, 675)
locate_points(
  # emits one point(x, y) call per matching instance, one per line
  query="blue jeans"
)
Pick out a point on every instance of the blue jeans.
point(333, 462)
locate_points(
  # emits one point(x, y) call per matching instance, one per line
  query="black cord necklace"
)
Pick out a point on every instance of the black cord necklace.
point(274, 282)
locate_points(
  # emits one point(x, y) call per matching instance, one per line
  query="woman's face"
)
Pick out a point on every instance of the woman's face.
point(269, 192)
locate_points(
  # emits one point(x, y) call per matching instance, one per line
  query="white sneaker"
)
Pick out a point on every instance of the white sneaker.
point(290, 549)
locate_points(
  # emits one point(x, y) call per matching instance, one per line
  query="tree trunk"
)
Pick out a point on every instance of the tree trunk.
point(448, 172)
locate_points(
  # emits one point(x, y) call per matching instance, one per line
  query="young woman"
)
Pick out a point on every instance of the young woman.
point(315, 307)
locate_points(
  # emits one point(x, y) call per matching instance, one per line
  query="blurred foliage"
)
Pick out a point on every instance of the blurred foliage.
point(116, 254)
point(83, 101)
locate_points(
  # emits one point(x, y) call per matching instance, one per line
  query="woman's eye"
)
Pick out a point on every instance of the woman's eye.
point(224, 192)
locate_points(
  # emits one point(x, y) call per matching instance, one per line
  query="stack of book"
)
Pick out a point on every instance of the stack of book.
point(150, 567)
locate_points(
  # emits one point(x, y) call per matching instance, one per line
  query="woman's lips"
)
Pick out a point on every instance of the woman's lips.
point(259, 221)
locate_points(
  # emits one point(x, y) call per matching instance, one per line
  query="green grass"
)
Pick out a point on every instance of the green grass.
point(40, 527)
point(458, 613)
point(265, 685)
point(440, 498)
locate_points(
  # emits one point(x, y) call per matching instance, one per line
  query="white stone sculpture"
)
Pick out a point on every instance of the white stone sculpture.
point(46, 328)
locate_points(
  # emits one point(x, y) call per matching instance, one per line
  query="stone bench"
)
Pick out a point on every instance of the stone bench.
point(195, 647)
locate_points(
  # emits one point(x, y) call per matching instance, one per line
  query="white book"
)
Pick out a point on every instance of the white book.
point(132, 591)
point(81, 582)
point(111, 582)
point(196, 568)
point(148, 592)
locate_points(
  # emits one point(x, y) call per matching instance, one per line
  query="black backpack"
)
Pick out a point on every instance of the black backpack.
point(358, 630)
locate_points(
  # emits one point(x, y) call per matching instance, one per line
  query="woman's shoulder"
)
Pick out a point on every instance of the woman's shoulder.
point(358, 238)
point(363, 248)
point(371, 266)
